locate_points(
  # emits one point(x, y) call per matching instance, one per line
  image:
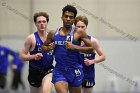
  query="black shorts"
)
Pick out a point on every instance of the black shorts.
point(35, 77)
point(87, 84)
point(2, 80)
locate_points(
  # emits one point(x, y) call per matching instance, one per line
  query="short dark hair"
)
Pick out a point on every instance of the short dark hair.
point(71, 9)
point(41, 14)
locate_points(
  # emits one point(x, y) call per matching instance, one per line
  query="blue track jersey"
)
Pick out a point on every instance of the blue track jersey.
point(45, 62)
point(4, 61)
point(89, 71)
point(66, 58)
point(19, 63)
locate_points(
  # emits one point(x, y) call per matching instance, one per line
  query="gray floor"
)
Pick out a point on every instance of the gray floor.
point(19, 91)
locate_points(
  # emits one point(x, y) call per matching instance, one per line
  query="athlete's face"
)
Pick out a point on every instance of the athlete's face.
point(41, 23)
point(81, 25)
point(68, 19)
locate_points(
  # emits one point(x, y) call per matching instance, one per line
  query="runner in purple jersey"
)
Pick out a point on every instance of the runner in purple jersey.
point(89, 59)
point(40, 62)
